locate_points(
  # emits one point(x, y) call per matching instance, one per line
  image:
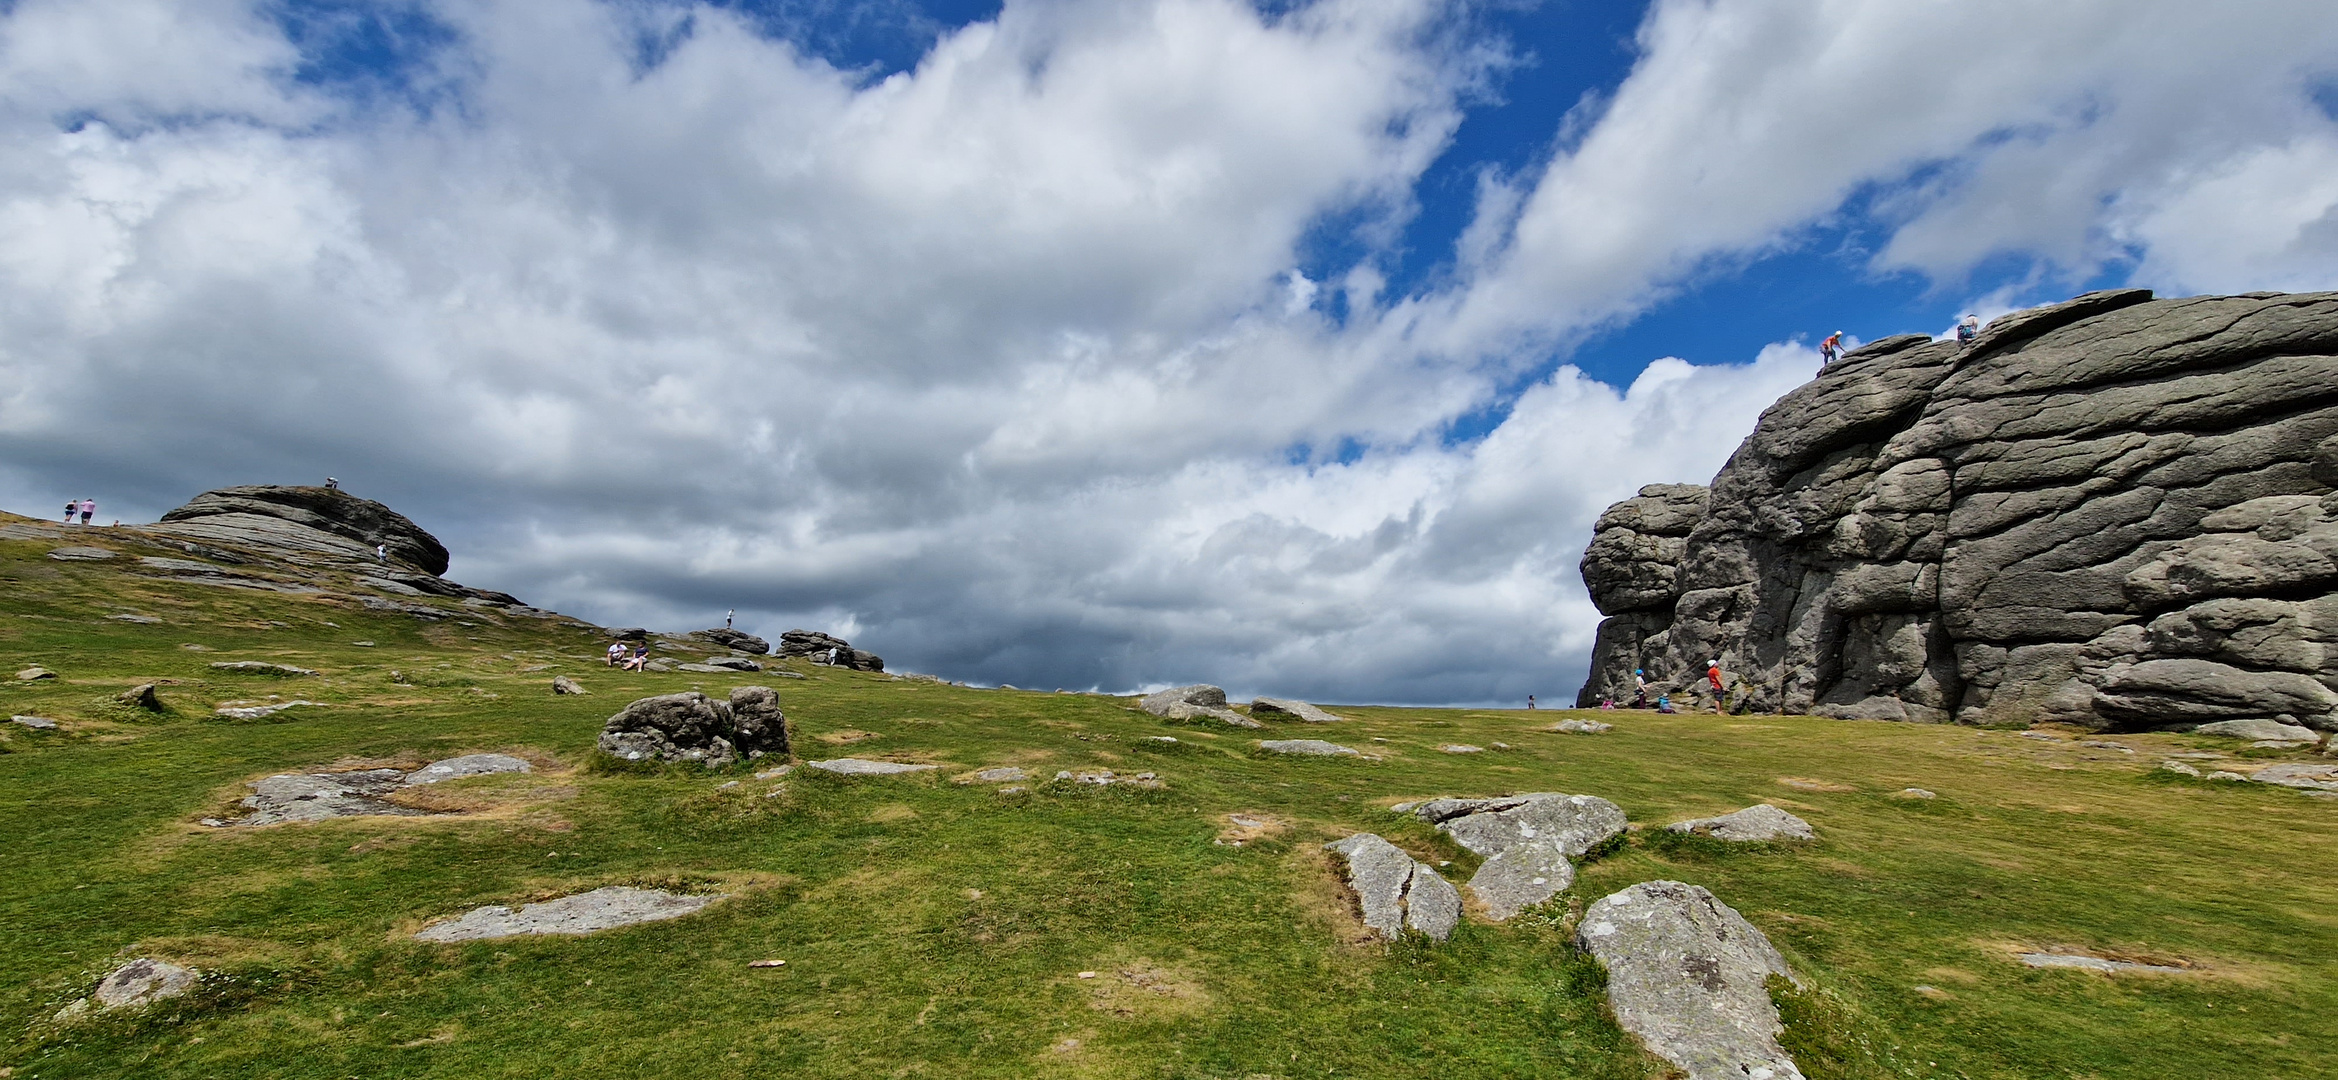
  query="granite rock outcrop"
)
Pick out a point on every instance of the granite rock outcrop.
point(2116, 512)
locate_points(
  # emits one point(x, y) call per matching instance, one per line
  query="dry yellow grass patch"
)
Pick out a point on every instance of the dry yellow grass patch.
point(891, 812)
point(1244, 827)
point(1140, 988)
point(847, 737)
point(1805, 783)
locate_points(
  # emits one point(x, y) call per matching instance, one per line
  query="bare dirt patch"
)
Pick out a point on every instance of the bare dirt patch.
point(847, 737)
point(1805, 783)
point(1145, 989)
point(1242, 828)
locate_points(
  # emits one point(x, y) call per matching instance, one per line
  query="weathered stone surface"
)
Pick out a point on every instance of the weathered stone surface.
point(865, 767)
point(1759, 823)
point(303, 520)
point(732, 663)
point(37, 723)
point(1396, 892)
point(996, 774)
point(583, 913)
point(82, 554)
point(261, 712)
point(1528, 840)
point(1581, 727)
point(257, 667)
point(693, 727)
point(734, 639)
point(467, 765)
point(1308, 747)
point(143, 981)
point(2090, 963)
point(562, 684)
point(1268, 708)
point(1203, 695)
point(2257, 729)
point(319, 796)
point(2113, 513)
point(1688, 975)
point(142, 620)
point(35, 673)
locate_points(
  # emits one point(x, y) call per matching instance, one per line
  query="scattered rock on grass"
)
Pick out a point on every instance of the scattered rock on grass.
point(583, 913)
point(2304, 775)
point(1759, 823)
point(693, 727)
point(1397, 892)
point(2102, 745)
point(137, 984)
point(2090, 963)
point(142, 620)
point(318, 796)
point(563, 685)
point(864, 767)
point(1269, 708)
point(35, 673)
point(1198, 702)
point(997, 774)
point(37, 723)
point(1581, 727)
point(2227, 774)
point(1688, 975)
point(1528, 840)
point(467, 765)
point(1461, 748)
point(732, 663)
point(1106, 777)
point(260, 712)
point(1313, 747)
point(257, 667)
point(2179, 767)
point(2257, 729)
point(1914, 793)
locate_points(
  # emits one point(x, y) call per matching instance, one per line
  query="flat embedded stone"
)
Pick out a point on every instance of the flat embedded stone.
point(1313, 747)
point(864, 767)
point(583, 913)
point(467, 765)
point(1689, 976)
point(1758, 823)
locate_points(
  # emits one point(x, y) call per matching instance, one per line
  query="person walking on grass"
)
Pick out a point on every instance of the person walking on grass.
point(88, 510)
point(72, 507)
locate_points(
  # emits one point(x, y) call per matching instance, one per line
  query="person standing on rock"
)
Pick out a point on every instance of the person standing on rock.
point(1831, 348)
point(72, 507)
point(88, 510)
point(727, 617)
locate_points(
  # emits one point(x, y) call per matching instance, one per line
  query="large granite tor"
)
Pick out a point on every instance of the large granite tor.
point(2116, 512)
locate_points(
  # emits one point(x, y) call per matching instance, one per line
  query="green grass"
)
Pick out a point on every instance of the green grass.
point(934, 929)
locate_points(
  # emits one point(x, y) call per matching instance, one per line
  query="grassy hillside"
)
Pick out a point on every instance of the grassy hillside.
point(932, 928)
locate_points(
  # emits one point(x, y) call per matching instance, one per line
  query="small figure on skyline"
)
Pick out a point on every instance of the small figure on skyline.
point(1968, 329)
point(727, 617)
point(88, 510)
point(72, 507)
point(1530, 703)
point(332, 484)
point(1831, 348)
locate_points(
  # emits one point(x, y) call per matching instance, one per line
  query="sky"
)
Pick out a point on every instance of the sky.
point(1289, 346)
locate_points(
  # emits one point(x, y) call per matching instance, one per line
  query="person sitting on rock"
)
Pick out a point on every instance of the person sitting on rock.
point(1968, 329)
point(639, 661)
point(616, 653)
point(1664, 704)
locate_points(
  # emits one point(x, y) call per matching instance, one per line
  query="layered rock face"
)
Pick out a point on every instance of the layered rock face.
point(292, 516)
point(2115, 512)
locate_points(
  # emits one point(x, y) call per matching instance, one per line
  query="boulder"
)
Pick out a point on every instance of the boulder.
point(693, 727)
point(2111, 513)
point(2303, 775)
point(734, 639)
point(1689, 976)
point(1395, 892)
point(1267, 708)
point(142, 696)
point(808, 643)
point(2257, 729)
point(732, 663)
point(276, 516)
point(1759, 823)
point(1528, 840)
point(1200, 694)
point(143, 981)
point(562, 684)
point(35, 673)
point(1308, 747)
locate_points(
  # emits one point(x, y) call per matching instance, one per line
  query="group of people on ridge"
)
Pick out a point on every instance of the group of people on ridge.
point(87, 508)
point(1831, 349)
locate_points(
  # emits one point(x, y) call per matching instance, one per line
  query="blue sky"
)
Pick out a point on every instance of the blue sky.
point(1082, 343)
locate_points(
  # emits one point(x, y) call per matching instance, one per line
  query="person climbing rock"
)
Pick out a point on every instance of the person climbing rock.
point(1831, 348)
point(1968, 329)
